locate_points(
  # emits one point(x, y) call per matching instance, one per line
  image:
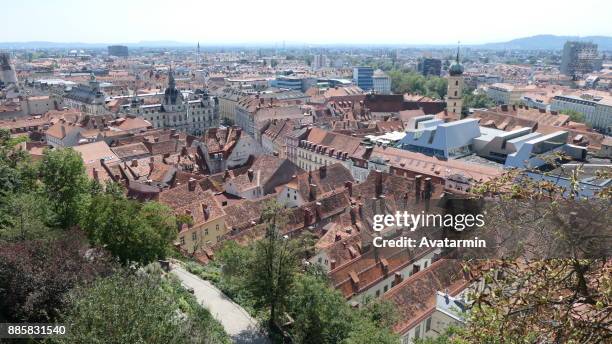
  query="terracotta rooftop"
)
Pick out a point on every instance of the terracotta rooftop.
point(192, 200)
point(131, 150)
point(415, 297)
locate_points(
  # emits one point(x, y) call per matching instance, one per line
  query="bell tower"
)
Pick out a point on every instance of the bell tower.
point(454, 95)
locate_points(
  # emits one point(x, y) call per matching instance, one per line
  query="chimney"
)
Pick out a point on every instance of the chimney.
point(322, 171)
point(554, 113)
point(151, 159)
point(226, 175)
point(504, 107)
point(250, 173)
point(353, 215)
point(349, 186)
point(542, 110)
point(307, 217)
point(192, 184)
point(379, 186)
point(332, 264)
point(205, 211)
point(384, 265)
point(134, 163)
point(309, 177)
point(397, 278)
point(313, 193)
point(417, 187)
point(338, 237)
point(95, 174)
point(427, 192)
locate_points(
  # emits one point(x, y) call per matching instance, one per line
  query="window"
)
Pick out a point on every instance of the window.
point(378, 293)
point(205, 231)
point(417, 332)
point(182, 240)
point(455, 93)
point(456, 82)
point(194, 236)
point(217, 227)
point(385, 289)
point(428, 325)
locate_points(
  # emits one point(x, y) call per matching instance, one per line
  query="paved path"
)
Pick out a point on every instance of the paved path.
point(238, 324)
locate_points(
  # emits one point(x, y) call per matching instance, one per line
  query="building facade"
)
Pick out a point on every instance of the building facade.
point(429, 66)
point(381, 83)
point(363, 77)
point(597, 110)
point(176, 112)
point(579, 58)
point(86, 98)
point(118, 50)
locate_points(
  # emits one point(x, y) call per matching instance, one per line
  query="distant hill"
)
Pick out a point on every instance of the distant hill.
point(547, 42)
point(539, 42)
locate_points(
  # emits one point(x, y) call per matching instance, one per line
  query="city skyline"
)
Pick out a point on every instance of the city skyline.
point(270, 23)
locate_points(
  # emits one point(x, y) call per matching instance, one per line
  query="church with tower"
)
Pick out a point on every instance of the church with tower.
point(454, 95)
point(184, 111)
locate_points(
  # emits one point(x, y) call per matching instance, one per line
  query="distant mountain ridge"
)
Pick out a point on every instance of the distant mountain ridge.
point(538, 42)
point(547, 42)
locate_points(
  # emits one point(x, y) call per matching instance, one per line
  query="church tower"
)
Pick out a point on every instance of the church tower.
point(454, 100)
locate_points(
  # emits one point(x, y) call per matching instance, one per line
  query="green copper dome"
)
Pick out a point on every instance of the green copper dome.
point(455, 69)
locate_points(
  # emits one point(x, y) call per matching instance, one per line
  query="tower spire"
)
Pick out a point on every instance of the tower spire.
point(458, 44)
point(171, 82)
point(198, 56)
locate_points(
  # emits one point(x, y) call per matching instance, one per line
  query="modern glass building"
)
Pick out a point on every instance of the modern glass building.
point(363, 78)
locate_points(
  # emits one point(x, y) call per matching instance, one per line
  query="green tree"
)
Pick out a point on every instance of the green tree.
point(321, 314)
point(476, 101)
point(65, 184)
point(574, 115)
point(17, 172)
point(131, 231)
point(234, 261)
point(366, 332)
point(273, 268)
point(380, 312)
point(137, 308)
point(25, 216)
point(412, 82)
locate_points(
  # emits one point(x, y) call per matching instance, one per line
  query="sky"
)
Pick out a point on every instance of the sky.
point(300, 22)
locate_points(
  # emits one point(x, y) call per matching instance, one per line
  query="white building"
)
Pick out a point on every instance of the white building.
point(597, 110)
point(176, 111)
point(382, 82)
